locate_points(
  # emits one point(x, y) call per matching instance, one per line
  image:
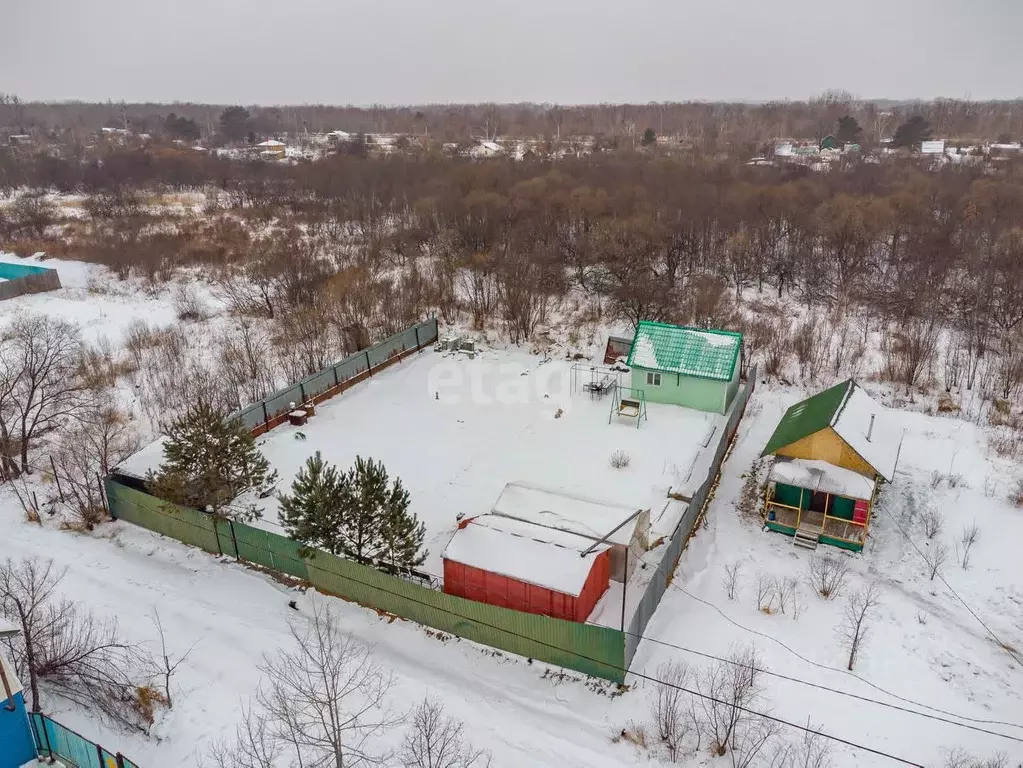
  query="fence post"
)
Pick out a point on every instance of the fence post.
point(368, 368)
point(234, 540)
point(46, 737)
point(99, 755)
point(418, 346)
point(337, 382)
point(266, 416)
point(56, 477)
point(120, 760)
point(301, 390)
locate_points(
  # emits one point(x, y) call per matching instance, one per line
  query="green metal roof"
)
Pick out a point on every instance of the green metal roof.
point(689, 351)
point(807, 417)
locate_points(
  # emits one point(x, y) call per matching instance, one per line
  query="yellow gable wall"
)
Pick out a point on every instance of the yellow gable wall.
point(826, 445)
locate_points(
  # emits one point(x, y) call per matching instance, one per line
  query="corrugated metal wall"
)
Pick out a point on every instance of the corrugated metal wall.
point(333, 379)
point(597, 651)
point(659, 583)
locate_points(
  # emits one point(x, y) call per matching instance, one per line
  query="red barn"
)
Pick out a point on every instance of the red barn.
point(527, 567)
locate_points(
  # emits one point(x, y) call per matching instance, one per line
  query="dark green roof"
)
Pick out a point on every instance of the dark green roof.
point(807, 417)
point(696, 352)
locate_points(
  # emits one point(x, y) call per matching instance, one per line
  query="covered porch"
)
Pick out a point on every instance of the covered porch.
point(814, 497)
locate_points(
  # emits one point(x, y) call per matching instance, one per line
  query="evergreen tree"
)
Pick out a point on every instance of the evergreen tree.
point(912, 132)
point(401, 531)
point(312, 513)
point(377, 525)
point(649, 137)
point(849, 130)
point(209, 462)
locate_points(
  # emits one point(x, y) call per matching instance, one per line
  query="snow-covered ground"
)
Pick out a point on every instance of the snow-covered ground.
point(925, 652)
point(429, 421)
point(92, 297)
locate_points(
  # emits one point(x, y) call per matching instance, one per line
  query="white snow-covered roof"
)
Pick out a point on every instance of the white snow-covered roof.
point(7, 628)
point(524, 551)
point(575, 514)
point(868, 429)
point(820, 476)
point(270, 143)
point(139, 464)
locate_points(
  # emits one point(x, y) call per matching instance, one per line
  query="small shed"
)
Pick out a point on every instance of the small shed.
point(691, 367)
point(618, 348)
point(526, 567)
point(625, 529)
point(832, 451)
point(17, 747)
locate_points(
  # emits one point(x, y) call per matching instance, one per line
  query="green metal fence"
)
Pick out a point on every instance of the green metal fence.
point(597, 651)
point(335, 375)
point(56, 741)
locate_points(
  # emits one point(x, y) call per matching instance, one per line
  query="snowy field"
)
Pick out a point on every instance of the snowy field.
point(92, 297)
point(456, 430)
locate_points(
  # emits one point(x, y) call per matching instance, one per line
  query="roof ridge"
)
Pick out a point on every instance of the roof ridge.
point(845, 399)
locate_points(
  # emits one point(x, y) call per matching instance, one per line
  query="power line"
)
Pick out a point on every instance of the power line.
point(848, 694)
point(966, 605)
point(850, 674)
point(624, 670)
point(795, 679)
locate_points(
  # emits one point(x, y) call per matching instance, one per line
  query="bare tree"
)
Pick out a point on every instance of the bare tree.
point(731, 580)
point(254, 745)
point(168, 664)
point(812, 750)
point(936, 556)
point(966, 541)
point(39, 382)
point(787, 591)
point(933, 522)
point(729, 688)
point(434, 740)
point(862, 607)
point(327, 696)
point(90, 447)
point(827, 575)
point(673, 718)
point(960, 758)
point(73, 654)
point(766, 587)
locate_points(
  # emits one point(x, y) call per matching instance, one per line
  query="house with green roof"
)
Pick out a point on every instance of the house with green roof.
point(832, 451)
point(691, 367)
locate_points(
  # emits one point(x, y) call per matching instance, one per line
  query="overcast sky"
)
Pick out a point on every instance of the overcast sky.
point(565, 51)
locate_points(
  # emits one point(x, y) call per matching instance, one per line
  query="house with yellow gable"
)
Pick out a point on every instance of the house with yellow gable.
point(832, 452)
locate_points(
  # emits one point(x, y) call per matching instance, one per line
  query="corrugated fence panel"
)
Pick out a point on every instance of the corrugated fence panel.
point(287, 556)
point(55, 740)
point(658, 584)
point(186, 525)
point(418, 335)
point(593, 650)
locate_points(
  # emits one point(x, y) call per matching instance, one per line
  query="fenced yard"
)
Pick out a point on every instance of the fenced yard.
point(468, 442)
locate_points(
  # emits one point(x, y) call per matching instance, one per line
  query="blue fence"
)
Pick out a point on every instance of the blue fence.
point(54, 740)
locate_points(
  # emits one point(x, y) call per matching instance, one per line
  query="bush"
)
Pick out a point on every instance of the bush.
point(827, 575)
point(620, 459)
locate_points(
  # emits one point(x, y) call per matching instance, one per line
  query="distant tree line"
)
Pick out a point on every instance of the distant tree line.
point(709, 125)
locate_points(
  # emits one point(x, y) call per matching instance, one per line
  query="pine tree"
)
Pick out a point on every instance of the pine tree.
point(377, 525)
point(209, 462)
point(401, 531)
point(312, 513)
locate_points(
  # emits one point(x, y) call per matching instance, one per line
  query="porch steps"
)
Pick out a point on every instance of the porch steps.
point(806, 538)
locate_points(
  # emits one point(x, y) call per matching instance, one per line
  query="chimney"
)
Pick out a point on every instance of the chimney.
point(870, 429)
